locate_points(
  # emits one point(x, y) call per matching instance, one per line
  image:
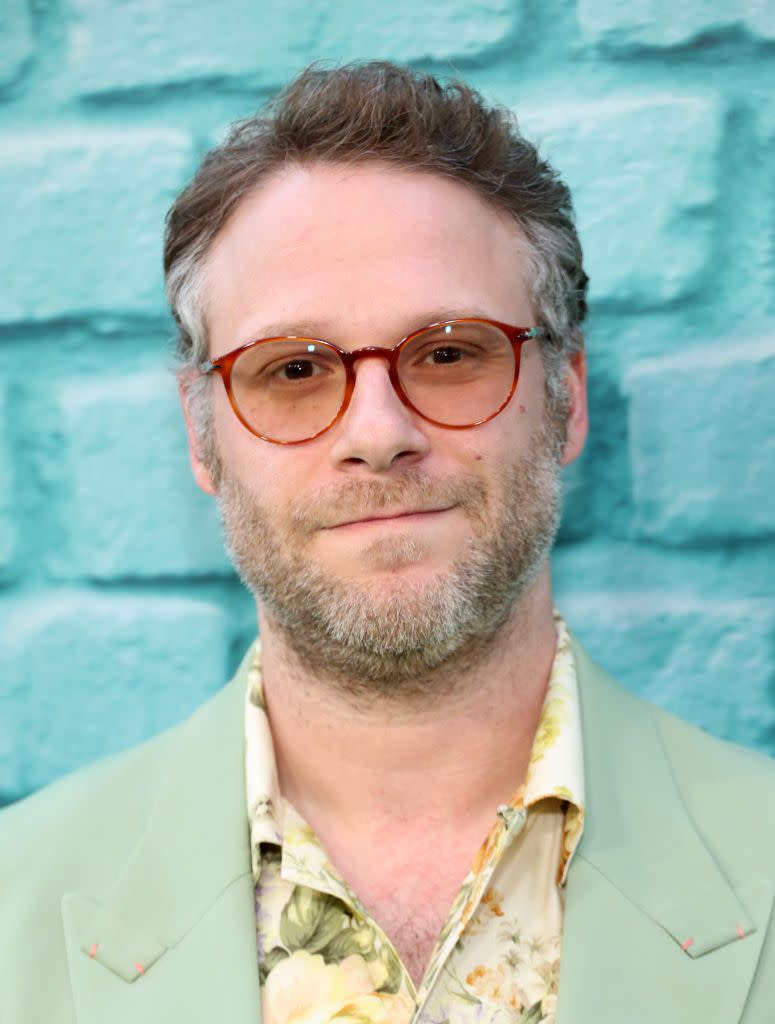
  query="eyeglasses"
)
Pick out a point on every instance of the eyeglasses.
point(457, 374)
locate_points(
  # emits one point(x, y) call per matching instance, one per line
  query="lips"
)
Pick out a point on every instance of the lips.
point(397, 514)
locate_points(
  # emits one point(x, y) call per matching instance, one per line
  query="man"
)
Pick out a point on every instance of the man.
point(418, 800)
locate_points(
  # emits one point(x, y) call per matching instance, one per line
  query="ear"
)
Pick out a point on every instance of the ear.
point(577, 425)
point(202, 474)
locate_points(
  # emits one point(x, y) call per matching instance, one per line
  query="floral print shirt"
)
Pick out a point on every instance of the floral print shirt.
point(321, 956)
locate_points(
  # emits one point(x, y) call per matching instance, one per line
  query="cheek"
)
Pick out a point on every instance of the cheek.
point(244, 456)
point(276, 476)
point(229, 433)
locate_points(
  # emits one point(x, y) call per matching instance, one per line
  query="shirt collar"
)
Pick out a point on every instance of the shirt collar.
point(556, 766)
point(555, 769)
point(265, 806)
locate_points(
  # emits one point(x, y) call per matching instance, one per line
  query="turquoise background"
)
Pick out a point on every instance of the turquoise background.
point(118, 610)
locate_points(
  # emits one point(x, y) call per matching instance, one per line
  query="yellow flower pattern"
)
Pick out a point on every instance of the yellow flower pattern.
point(323, 959)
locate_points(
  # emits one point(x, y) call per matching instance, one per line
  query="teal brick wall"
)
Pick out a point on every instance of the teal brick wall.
point(118, 610)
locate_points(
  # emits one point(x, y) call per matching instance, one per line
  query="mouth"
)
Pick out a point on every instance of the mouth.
point(402, 516)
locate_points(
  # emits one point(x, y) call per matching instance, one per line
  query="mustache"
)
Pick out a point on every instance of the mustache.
point(361, 499)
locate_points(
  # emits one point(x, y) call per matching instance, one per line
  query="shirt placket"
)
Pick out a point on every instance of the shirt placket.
point(511, 822)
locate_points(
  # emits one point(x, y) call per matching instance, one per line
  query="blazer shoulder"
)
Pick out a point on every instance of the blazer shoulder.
point(728, 791)
point(699, 761)
point(86, 823)
point(53, 831)
point(703, 759)
point(724, 789)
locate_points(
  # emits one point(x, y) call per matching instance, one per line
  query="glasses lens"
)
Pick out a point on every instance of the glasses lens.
point(458, 374)
point(290, 389)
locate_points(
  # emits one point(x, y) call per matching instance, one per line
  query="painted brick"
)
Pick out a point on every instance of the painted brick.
point(85, 675)
point(83, 220)
point(663, 209)
point(702, 444)
point(643, 174)
point(16, 43)
point(141, 43)
point(660, 23)
point(131, 508)
point(709, 662)
point(8, 533)
point(413, 30)
point(762, 102)
point(728, 573)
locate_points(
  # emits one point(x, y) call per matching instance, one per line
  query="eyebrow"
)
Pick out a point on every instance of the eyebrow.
point(324, 330)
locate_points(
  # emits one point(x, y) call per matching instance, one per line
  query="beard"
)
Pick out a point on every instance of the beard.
point(398, 637)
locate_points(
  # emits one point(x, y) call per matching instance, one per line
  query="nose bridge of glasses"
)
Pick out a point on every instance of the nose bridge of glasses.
point(390, 357)
point(368, 352)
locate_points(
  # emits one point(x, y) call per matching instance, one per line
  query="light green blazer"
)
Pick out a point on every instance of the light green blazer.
point(144, 860)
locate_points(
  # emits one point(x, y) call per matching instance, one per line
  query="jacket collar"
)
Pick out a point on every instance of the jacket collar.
point(646, 901)
point(175, 937)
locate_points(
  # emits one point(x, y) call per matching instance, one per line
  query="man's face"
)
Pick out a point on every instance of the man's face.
point(361, 256)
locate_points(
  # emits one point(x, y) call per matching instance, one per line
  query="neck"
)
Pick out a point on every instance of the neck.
point(443, 763)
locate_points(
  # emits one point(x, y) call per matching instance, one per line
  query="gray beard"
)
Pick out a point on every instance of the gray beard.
point(398, 638)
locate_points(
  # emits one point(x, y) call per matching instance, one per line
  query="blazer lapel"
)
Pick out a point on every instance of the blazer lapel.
point(653, 930)
point(175, 938)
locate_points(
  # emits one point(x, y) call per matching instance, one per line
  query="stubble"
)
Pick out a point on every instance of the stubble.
point(399, 637)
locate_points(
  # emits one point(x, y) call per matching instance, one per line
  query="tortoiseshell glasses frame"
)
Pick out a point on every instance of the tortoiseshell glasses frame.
point(517, 336)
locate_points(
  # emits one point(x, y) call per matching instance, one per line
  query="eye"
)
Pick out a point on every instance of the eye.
point(298, 369)
point(445, 354)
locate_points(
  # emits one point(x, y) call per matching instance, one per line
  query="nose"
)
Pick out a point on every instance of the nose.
point(377, 430)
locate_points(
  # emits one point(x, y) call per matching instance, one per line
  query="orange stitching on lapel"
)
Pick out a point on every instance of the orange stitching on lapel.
point(138, 967)
point(740, 932)
point(685, 945)
point(93, 949)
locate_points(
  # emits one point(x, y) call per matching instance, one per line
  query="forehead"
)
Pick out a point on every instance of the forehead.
point(361, 248)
